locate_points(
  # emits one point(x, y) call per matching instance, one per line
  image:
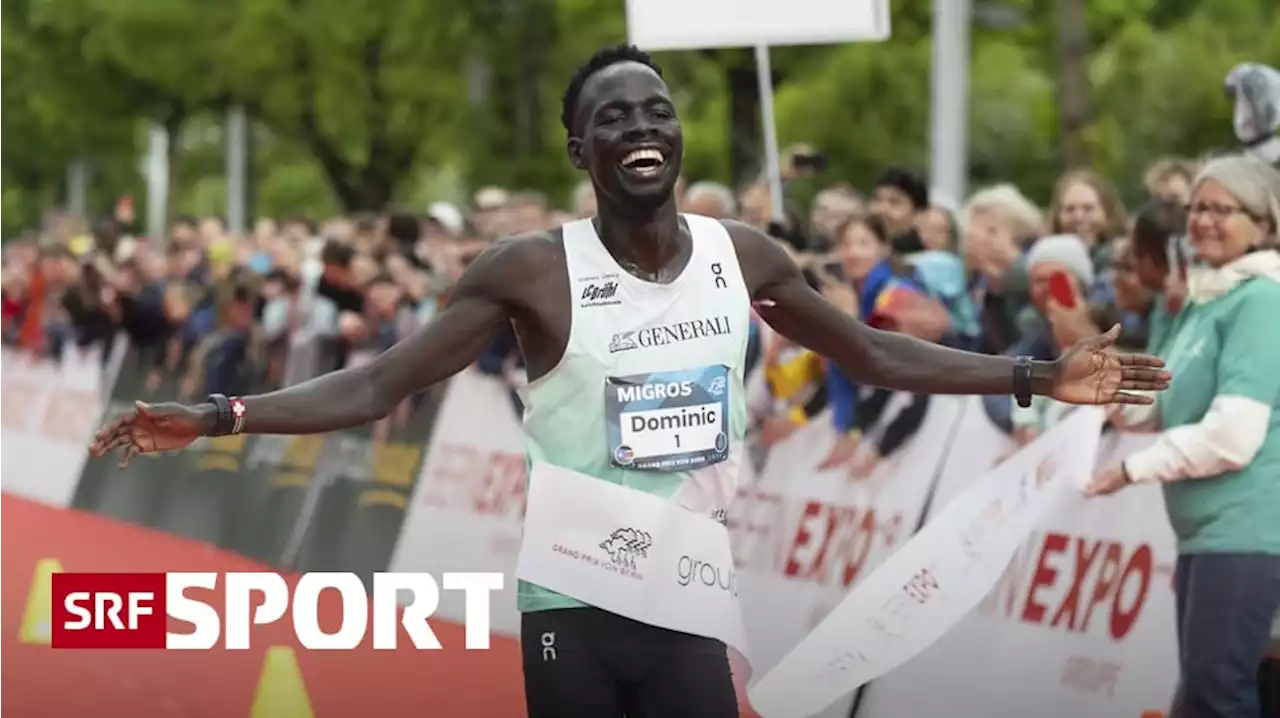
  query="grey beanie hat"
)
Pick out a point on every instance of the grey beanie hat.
point(1067, 249)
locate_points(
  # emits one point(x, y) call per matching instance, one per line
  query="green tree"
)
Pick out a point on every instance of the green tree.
point(365, 109)
point(1160, 92)
point(57, 108)
point(368, 94)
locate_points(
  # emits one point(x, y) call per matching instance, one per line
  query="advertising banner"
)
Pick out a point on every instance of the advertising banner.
point(50, 413)
point(1080, 624)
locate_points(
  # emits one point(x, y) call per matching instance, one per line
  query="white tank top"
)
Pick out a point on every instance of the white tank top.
point(649, 393)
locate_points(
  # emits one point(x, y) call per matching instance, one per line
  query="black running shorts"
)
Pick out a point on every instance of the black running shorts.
point(589, 663)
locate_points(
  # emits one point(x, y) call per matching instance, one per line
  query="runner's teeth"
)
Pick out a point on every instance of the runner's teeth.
point(639, 155)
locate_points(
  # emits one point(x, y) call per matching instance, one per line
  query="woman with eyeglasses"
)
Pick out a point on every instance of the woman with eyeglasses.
point(1218, 452)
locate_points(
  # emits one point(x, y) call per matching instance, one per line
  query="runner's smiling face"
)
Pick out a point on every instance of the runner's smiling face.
point(627, 136)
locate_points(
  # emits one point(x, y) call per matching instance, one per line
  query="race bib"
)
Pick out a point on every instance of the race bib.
point(668, 421)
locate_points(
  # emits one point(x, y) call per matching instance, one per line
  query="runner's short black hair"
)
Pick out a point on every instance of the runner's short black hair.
point(603, 58)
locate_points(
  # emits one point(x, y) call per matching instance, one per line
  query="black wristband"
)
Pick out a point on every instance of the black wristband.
point(224, 421)
point(1022, 381)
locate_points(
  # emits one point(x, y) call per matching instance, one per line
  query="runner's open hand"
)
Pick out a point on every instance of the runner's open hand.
point(1092, 372)
point(147, 429)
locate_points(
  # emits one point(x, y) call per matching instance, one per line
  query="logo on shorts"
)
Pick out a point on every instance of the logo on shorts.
point(600, 294)
point(720, 516)
point(625, 545)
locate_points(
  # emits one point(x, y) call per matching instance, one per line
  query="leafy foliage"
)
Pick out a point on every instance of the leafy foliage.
point(359, 107)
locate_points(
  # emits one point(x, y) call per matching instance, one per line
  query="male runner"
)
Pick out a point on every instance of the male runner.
point(633, 326)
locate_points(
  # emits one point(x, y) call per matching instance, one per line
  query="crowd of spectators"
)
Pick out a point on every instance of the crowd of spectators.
point(997, 274)
point(210, 311)
point(285, 301)
point(292, 298)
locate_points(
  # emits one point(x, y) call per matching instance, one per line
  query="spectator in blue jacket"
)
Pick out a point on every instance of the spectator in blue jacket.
point(866, 256)
point(901, 201)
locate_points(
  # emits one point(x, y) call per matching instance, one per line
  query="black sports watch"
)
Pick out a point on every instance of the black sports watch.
point(1022, 381)
point(224, 422)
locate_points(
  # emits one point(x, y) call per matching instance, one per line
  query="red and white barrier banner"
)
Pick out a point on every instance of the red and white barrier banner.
point(802, 537)
point(50, 411)
point(1081, 623)
point(937, 578)
point(467, 508)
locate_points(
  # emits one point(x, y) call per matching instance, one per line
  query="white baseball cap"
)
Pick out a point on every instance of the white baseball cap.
point(449, 216)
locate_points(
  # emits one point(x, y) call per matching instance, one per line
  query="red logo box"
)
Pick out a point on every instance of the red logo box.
point(108, 610)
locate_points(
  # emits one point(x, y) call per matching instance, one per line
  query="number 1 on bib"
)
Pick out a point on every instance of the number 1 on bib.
point(646, 414)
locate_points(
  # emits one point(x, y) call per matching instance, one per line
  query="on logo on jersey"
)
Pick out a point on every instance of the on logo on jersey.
point(718, 273)
point(666, 334)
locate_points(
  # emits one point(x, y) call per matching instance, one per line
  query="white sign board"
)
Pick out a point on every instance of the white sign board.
point(696, 24)
point(51, 411)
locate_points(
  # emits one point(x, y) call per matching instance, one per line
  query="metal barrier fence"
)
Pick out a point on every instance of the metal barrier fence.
point(311, 503)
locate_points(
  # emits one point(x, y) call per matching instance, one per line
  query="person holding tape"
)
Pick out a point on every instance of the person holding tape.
point(633, 326)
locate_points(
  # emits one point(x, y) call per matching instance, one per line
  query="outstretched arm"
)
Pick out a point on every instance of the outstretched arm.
point(1086, 374)
point(869, 356)
point(485, 296)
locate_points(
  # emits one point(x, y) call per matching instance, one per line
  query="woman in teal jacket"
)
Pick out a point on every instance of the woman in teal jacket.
point(1218, 453)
